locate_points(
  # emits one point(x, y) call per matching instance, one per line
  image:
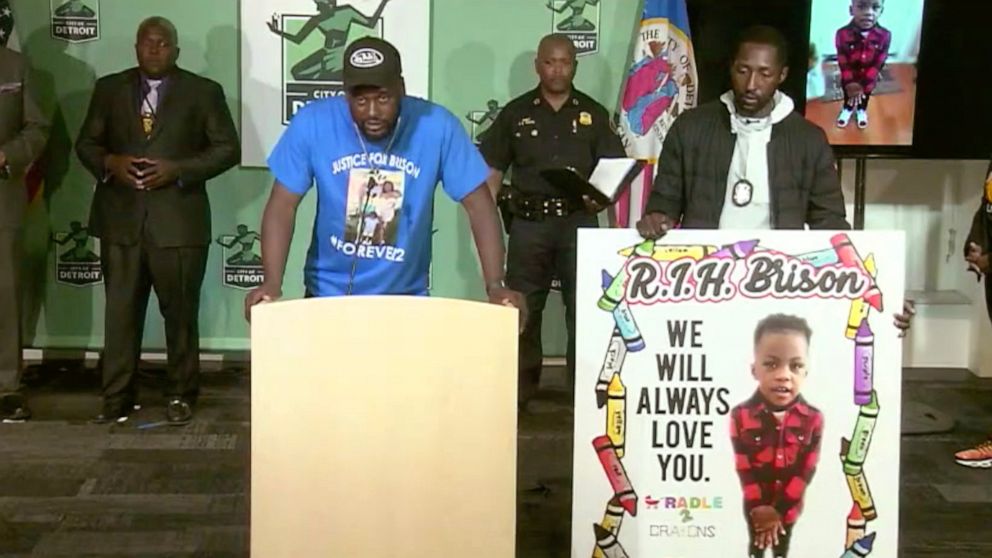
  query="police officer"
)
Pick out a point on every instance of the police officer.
point(552, 126)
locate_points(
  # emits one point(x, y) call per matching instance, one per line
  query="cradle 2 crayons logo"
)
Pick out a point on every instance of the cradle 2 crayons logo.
point(75, 21)
point(579, 20)
point(684, 506)
point(241, 265)
point(313, 48)
point(77, 265)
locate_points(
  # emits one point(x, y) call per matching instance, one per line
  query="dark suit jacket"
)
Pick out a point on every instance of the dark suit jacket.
point(23, 132)
point(193, 128)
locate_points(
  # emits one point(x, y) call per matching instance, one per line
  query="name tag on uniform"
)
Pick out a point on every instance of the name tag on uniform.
point(522, 127)
point(11, 87)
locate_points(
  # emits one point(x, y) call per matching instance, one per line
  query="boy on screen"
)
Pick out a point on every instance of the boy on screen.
point(776, 435)
point(862, 47)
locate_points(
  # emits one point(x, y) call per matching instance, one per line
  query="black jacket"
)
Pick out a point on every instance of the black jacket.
point(981, 232)
point(691, 183)
point(193, 128)
point(980, 229)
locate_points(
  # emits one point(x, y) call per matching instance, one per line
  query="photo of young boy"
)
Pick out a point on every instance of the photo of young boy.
point(867, 52)
point(862, 47)
point(776, 435)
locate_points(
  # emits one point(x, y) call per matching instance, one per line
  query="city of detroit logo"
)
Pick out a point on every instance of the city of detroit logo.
point(75, 21)
point(660, 85)
point(579, 20)
point(313, 48)
point(241, 266)
point(481, 120)
point(77, 264)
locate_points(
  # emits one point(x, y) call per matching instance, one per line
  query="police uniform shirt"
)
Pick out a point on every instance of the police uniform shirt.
point(529, 136)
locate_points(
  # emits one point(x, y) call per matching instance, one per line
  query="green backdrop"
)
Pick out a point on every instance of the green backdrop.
point(480, 50)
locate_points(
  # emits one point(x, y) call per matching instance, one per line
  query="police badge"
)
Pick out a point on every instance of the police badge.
point(742, 193)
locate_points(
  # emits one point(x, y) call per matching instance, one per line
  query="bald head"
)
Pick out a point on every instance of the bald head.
point(163, 25)
point(555, 64)
point(157, 46)
point(556, 40)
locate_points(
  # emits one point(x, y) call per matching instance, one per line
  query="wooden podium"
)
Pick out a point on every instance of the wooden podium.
point(383, 427)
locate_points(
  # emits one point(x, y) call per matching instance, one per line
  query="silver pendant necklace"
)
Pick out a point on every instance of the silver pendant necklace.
point(742, 193)
point(743, 190)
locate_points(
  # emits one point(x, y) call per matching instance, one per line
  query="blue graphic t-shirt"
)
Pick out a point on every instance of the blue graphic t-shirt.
point(374, 211)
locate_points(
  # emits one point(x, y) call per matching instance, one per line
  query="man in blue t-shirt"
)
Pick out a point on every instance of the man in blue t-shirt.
point(376, 156)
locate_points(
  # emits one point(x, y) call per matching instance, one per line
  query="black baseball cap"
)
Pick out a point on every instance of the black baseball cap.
point(371, 61)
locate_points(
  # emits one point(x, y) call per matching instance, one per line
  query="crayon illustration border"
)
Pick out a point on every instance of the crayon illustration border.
point(610, 391)
point(854, 452)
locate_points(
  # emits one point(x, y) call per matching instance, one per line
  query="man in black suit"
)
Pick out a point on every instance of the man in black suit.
point(152, 137)
point(24, 130)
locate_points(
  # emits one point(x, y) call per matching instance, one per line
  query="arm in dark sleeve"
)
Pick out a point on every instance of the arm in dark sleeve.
point(497, 147)
point(223, 149)
point(979, 233)
point(825, 208)
point(668, 191)
point(91, 146)
point(25, 147)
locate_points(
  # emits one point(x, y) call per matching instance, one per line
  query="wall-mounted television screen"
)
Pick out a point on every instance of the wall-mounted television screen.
point(861, 78)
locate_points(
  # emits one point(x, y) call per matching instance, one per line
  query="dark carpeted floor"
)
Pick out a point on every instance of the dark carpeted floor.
point(69, 488)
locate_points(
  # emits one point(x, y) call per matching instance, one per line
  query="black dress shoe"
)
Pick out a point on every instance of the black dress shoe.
point(20, 414)
point(14, 408)
point(178, 412)
point(131, 402)
point(112, 415)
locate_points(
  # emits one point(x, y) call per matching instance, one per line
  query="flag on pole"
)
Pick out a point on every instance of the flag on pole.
point(34, 178)
point(660, 84)
point(7, 25)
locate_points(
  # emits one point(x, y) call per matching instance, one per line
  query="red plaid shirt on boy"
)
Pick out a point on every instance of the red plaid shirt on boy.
point(861, 54)
point(776, 460)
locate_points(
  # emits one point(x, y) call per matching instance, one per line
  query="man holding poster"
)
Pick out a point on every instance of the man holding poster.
point(749, 160)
